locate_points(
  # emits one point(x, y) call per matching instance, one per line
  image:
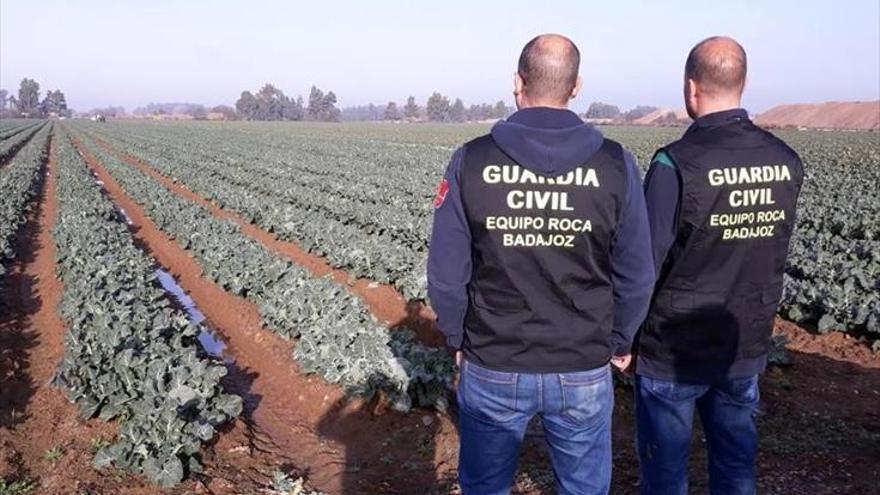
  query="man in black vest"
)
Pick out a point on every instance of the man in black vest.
point(540, 272)
point(721, 202)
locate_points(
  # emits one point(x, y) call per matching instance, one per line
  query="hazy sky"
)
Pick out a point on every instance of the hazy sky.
point(131, 53)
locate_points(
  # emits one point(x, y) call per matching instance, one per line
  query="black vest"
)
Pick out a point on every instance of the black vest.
point(721, 282)
point(540, 296)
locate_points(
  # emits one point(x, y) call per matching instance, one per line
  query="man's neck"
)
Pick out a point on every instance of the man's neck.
point(715, 107)
point(543, 104)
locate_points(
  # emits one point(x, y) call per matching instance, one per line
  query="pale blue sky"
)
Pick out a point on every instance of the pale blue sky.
point(131, 53)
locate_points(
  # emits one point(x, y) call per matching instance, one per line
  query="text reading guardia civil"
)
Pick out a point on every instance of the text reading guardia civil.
point(518, 199)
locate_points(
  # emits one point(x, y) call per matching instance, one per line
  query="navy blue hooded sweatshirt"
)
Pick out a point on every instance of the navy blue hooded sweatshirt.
point(549, 142)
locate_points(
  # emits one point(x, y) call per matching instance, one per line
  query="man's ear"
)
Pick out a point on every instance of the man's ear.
point(690, 89)
point(578, 85)
point(518, 84)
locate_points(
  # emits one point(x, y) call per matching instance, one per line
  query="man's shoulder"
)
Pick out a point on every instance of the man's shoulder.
point(478, 142)
point(478, 150)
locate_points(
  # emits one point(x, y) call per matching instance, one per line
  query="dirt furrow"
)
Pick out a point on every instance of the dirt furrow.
point(384, 301)
point(298, 417)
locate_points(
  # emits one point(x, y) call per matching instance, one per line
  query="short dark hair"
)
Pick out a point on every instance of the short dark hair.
point(549, 67)
point(718, 64)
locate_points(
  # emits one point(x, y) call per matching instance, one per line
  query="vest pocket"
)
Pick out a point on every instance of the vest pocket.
point(682, 300)
point(498, 301)
point(588, 300)
point(757, 341)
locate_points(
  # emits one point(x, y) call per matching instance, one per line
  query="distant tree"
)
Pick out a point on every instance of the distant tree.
point(29, 98)
point(501, 110)
point(316, 102)
point(7, 104)
point(638, 112)
point(329, 112)
point(373, 113)
point(411, 110)
point(391, 112)
point(54, 104)
point(457, 112)
point(270, 103)
point(599, 110)
point(293, 109)
point(474, 112)
point(437, 108)
point(246, 106)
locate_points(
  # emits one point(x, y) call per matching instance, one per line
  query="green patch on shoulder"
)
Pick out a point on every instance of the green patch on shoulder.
point(664, 159)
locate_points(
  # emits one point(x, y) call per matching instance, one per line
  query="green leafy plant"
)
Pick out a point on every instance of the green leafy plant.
point(16, 487)
point(54, 454)
point(129, 355)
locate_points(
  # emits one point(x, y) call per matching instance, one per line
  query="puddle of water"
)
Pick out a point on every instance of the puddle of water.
point(208, 338)
point(125, 215)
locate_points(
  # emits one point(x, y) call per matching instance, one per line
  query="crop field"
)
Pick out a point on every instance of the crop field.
point(245, 302)
point(361, 198)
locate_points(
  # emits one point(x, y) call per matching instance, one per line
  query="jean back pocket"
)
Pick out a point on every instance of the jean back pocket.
point(586, 396)
point(487, 394)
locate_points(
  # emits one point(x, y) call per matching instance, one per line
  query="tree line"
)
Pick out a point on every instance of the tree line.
point(270, 103)
point(599, 110)
point(27, 102)
point(437, 109)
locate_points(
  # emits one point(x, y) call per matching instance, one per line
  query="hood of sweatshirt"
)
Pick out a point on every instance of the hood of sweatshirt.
point(547, 141)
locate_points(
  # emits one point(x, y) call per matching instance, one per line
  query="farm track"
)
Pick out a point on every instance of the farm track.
point(384, 301)
point(300, 419)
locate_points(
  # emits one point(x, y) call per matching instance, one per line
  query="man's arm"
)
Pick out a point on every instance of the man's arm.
point(449, 256)
point(662, 199)
point(632, 268)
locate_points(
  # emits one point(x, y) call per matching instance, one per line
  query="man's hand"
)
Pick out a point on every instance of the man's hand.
point(622, 363)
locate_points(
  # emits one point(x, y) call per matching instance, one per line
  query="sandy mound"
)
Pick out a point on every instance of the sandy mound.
point(665, 116)
point(831, 115)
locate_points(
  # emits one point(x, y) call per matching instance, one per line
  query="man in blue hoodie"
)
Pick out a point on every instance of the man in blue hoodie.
point(540, 271)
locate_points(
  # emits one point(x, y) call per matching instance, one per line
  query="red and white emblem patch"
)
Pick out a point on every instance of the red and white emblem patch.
point(442, 191)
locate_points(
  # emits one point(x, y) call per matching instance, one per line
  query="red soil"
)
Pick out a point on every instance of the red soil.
point(831, 115)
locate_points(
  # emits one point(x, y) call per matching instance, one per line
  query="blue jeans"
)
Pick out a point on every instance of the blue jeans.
point(496, 407)
point(664, 417)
